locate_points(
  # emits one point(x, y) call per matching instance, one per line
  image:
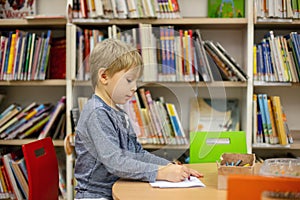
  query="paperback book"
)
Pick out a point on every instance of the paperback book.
point(226, 8)
point(17, 9)
point(214, 114)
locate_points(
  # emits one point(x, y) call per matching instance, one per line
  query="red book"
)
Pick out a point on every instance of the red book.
point(83, 8)
point(86, 53)
point(58, 59)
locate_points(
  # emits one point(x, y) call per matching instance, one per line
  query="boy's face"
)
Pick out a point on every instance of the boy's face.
point(122, 85)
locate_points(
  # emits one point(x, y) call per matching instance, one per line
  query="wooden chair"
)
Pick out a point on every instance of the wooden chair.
point(249, 187)
point(42, 169)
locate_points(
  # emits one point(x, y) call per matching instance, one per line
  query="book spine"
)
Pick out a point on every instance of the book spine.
point(59, 107)
point(276, 103)
point(45, 55)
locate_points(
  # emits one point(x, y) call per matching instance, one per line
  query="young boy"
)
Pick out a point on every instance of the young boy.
point(106, 144)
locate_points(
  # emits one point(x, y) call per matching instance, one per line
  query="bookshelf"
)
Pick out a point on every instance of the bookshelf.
point(39, 91)
point(238, 36)
point(235, 34)
point(288, 91)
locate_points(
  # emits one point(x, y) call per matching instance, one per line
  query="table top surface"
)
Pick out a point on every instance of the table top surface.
point(137, 190)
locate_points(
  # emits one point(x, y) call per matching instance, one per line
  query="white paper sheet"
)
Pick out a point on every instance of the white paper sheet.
point(193, 182)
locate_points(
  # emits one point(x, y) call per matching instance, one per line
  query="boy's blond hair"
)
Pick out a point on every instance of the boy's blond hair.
point(115, 56)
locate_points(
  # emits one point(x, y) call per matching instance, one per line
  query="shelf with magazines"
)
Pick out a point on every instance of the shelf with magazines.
point(278, 76)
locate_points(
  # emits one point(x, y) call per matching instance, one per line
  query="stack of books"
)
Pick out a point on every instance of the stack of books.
point(34, 120)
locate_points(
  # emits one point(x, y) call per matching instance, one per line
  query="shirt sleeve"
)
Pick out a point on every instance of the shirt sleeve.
point(102, 140)
point(146, 156)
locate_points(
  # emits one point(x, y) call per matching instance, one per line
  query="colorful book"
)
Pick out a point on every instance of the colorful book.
point(22, 121)
point(13, 182)
point(60, 106)
point(204, 68)
point(176, 123)
point(262, 110)
point(22, 183)
point(274, 139)
point(45, 56)
point(17, 9)
point(226, 9)
point(35, 128)
point(278, 115)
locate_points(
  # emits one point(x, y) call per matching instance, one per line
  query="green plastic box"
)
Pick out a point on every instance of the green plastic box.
point(209, 146)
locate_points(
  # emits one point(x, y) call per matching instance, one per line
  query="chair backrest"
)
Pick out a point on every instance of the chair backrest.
point(209, 146)
point(248, 187)
point(42, 169)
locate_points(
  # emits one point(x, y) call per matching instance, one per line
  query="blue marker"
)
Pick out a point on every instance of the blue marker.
point(238, 163)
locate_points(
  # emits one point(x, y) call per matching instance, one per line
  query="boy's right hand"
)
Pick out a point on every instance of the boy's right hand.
point(175, 173)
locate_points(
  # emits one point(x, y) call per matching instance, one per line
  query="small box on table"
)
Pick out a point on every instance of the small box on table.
point(234, 163)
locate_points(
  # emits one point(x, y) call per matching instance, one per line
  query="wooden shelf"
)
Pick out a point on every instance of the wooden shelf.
point(294, 146)
point(49, 82)
point(226, 84)
point(274, 84)
point(277, 23)
point(17, 142)
point(159, 146)
point(41, 22)
point(199, 21)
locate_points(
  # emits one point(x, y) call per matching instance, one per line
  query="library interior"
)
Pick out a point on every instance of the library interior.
point(219, 94)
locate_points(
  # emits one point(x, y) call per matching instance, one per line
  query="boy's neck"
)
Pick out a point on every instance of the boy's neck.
point(101, 92)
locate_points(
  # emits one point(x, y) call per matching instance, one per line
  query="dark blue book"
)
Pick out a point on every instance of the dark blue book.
point(18, 55)
point(4, 71)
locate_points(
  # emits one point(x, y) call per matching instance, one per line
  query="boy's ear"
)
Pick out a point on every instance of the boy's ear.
point(102, 73)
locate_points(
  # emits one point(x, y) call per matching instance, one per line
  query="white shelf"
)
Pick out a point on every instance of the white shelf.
point(16, 142)
point(49, 82)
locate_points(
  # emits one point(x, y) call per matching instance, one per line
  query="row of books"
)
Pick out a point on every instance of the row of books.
point(122, 9)
point(277, 10)
point(277, 58)
point(35, 121)
point(14, 176)
point(24, 55)
point(155, 121)
point(168, 55)
point(269, 121)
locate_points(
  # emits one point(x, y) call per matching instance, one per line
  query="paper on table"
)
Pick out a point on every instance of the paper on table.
point(193, 182)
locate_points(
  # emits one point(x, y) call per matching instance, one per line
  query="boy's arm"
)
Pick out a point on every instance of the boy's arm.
point(145, 156)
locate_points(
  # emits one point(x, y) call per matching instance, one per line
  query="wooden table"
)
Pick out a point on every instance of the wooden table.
point(135, 190)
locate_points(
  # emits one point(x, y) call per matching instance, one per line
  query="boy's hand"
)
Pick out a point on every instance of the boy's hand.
point(176, 173)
